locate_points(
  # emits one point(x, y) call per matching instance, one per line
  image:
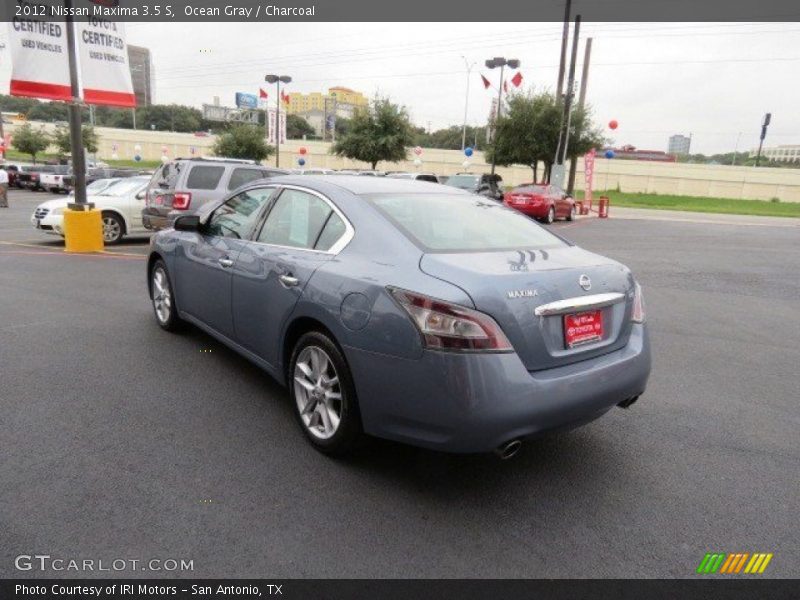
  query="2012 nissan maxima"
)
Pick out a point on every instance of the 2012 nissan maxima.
point(406, 310)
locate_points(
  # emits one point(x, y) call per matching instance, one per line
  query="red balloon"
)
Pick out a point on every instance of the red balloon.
point(303, 150)
point(613, 124)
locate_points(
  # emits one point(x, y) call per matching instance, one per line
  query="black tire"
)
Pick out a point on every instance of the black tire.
point(113, 228)
point(551, 215)
point(349, 433)
point(169, 321)
point(571, 216)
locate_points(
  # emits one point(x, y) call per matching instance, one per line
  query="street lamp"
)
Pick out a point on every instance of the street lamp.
point(499, 61)
point(277, 80)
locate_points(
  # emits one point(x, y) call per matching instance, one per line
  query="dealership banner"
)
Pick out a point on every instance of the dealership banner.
point(588, 174)
point(273, 127)
point(39, 59)
point(103, 59)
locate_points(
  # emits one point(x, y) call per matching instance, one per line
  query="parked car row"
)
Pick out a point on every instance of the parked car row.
point(57, 179)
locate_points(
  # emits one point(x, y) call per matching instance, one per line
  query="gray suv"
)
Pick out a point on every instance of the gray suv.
point(183, 185)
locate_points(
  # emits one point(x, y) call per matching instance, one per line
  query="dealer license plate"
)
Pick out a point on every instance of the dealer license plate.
point(583, 328)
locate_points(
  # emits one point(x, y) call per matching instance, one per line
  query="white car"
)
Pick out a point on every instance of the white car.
point(121, 204)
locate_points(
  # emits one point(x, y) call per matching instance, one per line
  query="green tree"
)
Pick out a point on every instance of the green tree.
point(30, 141)
point(297, 127)
point(63, 141)
point(527, 133)
point(381, 132)
point(243, 141)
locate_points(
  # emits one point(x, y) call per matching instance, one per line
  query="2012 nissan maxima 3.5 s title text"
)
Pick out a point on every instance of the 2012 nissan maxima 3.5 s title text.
point(406, 310)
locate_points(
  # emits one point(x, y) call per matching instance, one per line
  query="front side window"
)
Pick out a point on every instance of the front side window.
point(237, 217)
point(296, 220)
point(461, 223)
point(204, 177)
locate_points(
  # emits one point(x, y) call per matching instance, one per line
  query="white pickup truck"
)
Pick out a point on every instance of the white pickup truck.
point(53, 181)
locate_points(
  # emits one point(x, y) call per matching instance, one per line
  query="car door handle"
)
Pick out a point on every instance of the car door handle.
point(225, 262)
point(289, 280)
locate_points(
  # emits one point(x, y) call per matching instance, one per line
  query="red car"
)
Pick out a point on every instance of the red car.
point(541, 201)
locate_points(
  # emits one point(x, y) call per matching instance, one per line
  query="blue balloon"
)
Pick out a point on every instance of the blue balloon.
point(468, 151)
point(301, 161)
point(137, 158)
point(609, 154)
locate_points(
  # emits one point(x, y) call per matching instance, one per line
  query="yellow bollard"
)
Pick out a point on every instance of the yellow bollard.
point(83, 230)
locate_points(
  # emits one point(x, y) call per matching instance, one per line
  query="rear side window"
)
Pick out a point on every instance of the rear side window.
point(296, 220)
point(481, 225)
point(204, 177)
point(239, 177)
point(333, 230)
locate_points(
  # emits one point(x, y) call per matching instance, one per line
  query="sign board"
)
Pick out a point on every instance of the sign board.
point(588, 174)
point(246, 100)
point(272, 126)
point(103, 59)
point(39, 59)
point(212, 112)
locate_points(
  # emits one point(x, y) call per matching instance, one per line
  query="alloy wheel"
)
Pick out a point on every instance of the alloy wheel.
point(112, 230)
point(318, 392)
point(162, 298)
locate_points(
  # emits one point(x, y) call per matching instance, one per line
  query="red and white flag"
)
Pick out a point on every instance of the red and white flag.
point(517, 79)
point(285, 97)
point(262, 94)
point(486, 82)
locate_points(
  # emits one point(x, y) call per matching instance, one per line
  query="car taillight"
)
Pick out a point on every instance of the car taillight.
point(637, 316)
point(447, 326)
point(181, 200)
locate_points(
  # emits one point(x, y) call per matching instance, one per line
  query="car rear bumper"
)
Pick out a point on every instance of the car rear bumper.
point(156, 219)
point(538, 211)
point(476, 402)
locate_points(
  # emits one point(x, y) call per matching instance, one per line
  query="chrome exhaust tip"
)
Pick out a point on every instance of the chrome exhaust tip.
point(508, 450)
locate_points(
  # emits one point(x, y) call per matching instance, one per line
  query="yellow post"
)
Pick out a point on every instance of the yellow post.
point(83, 230)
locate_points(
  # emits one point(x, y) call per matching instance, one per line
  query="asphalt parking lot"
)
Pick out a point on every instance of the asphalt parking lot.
point(119, 440)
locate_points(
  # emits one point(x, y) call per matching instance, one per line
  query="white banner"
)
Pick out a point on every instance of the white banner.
point(272, 115)
point(588, 174)
point(103, 59)
point(39, 59)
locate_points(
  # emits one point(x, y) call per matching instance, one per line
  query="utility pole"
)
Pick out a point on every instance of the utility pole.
point(563, 137)
point(587, 55)
point(764, 125)
point(564, 40)
point(76, 136)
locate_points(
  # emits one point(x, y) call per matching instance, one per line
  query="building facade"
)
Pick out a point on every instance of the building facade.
point(679, 144)
point(782, 153)
point(344, 99)
point(142, 75)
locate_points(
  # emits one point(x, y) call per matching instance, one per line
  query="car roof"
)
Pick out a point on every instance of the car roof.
point(360, 185)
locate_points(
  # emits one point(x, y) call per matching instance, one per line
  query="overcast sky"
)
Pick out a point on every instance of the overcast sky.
point(714, 81)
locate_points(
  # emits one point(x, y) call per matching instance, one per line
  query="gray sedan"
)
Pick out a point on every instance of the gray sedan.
point(406, 310)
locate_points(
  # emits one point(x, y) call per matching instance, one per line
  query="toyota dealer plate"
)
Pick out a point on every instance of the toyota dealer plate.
point(583, 328)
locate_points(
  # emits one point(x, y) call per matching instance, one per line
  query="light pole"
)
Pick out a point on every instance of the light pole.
point(466, 103)
point(499, 61)
point(277, 80)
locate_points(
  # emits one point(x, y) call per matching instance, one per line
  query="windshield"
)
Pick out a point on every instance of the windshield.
point(100, 185)
point(125, 186)
point(465, 182)
point(461, 223)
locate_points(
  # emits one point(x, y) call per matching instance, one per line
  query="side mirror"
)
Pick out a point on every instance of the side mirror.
point(187, 223)
point(141, 195)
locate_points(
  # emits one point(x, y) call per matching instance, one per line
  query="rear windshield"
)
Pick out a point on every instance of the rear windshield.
point(124, 187)
point(461, 223)
point(532, 189)
point(466, 182)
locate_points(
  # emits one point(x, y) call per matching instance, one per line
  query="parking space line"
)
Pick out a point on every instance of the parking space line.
point(45, 251)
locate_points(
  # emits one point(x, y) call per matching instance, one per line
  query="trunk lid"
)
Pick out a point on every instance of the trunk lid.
point(510, 285)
